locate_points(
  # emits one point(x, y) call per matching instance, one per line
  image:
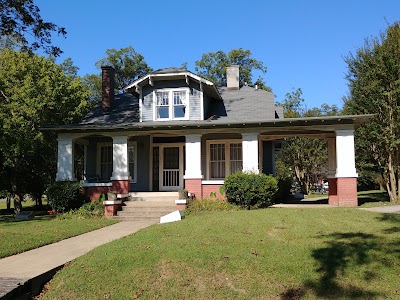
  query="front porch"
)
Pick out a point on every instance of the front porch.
point(195, 160)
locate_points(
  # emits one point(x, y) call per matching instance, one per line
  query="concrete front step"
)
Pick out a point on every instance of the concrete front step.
point(154, 198)
point(148, 208)
point(146, 213)
point(137, 219)
point(166, 203)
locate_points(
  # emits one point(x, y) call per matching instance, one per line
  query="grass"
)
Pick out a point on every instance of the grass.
point(337, 253)
point(43, 229)
point(374, 198)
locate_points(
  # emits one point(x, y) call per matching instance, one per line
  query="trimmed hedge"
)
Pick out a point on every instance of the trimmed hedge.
point(65, 195)
point(250, 190)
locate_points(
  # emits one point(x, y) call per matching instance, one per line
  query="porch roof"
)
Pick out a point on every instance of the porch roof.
point(298, 125)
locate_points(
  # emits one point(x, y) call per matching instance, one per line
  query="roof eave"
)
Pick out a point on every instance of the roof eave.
point(355, 120)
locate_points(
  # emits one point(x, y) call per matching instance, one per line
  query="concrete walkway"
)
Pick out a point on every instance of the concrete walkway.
point(19, 269)
point(390, 209)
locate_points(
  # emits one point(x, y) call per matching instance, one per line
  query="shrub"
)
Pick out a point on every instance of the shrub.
point(199, 205)
point(88, 210)
point(250, 190)
point(64, 195)
point(284, 187)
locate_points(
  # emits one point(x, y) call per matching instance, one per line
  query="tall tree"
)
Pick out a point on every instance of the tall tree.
point(373, 76)
point(19, 19)
point(307, 157)
point(213, 65)
point(128, 64)
point(34, 91)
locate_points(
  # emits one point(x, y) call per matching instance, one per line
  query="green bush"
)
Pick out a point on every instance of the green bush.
point(88, 210)
point(64, 195)
point(199, 205)
point(250, 190)
point(284, 187)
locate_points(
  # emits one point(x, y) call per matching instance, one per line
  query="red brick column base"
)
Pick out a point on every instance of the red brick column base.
point(333, 196)
point(180, 206)
point(94, 192)
point(347, 191)
point(212, 188)
point(110, 210)
point(193, 186)
point(121, 186)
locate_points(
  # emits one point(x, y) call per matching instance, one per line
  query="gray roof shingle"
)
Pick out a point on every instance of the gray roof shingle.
point(245, 104)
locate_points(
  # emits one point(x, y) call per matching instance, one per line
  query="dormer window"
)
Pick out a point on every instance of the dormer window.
point(171, 104)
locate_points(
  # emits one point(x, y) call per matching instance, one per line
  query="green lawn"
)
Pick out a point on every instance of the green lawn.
point(337, 253)
point(20, 236)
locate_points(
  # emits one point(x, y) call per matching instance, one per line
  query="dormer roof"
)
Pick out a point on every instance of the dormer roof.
point(170, 74)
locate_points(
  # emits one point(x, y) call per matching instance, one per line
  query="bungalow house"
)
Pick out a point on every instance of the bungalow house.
point(173, 129)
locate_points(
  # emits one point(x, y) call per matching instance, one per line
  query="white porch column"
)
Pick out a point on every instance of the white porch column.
point(250, 152)
point(65, 159)
point(193, 157)
point(331, 157)
point(345, 156)
point(120, 158)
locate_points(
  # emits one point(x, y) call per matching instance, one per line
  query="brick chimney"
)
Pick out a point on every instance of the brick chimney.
point(232, 77)
point(107, 87)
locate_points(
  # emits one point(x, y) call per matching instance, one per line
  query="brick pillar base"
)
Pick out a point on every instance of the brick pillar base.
point(193, 186)
point(347, 191)
point(110, 210)
point(121, 186)
point(333, 196)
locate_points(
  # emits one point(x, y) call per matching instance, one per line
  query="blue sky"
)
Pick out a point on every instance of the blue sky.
point(301, 42)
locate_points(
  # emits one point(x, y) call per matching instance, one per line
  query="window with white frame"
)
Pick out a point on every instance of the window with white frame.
point(132, 160)
point(172, 104)
point(105, 161)
point(225, 157)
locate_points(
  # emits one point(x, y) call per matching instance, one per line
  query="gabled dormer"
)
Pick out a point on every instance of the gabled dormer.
point(173, 94)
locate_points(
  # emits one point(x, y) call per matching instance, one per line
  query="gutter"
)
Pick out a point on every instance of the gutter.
point(148, 126)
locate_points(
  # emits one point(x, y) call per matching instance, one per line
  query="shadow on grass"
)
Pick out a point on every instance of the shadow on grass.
point(345, 253)
point(392, 219)
point(40, 214)
point(372, 197)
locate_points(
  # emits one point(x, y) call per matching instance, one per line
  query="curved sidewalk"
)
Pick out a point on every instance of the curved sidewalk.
point(17, 270)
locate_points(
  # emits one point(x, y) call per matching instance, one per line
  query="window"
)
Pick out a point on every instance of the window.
point(224, 158)
point(106, 161)
point(172, 104)
point(132, 161)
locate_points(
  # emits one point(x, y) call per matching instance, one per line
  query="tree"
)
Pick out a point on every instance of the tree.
point(307, 157)
point(21, 18)
point(213, 65)
point(93, 83)
point(128, 64)
point(373, 76)
point(34, 91)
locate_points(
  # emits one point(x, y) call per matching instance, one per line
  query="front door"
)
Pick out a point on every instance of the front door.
point(171, 168)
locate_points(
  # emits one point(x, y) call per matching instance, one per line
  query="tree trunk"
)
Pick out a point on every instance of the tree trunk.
point(392, 180)
point(15, 195)
point(8, 201)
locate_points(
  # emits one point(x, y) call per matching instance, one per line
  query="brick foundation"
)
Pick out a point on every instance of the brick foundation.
point(180, 206)
point(94, 192)
point(347, 191)
point(110, 210)
point(343, 191)
point(121, 186)
point(193, 186)
point(333, 196)
point(212, 188)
